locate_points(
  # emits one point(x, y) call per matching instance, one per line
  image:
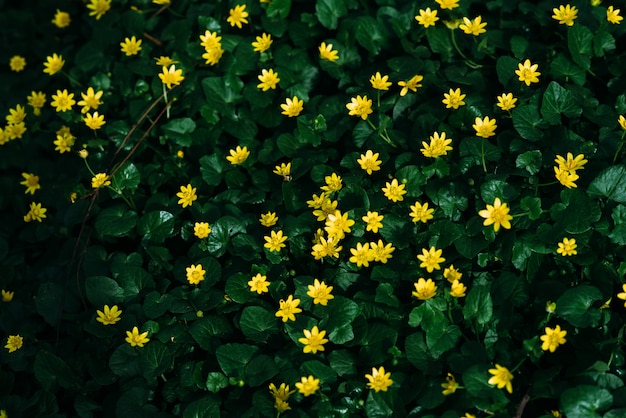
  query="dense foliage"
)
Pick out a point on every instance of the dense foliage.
point(312, 208)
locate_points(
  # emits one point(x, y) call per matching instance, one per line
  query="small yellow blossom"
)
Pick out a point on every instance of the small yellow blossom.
point(131, 46)
point(283, 170)
point(36, 100)
point(210, 40)
point(485, 127)
point(506, 101)
point(238, 155)
point(421, 213)
point(450, 385)
point(431, 259)
point(553, 338)
point(394, 191)
point(453, 99)
point(237, 16)
point(100, 180)
point(381, 252)
point(333, 183)
point(7, 296)
point(99, 8)
point(451, 274)
point(109, 316)
point(195, 273)
point(136, 339)
point(458, 289)
point(566, 177)
point(360, 106)
point(622, 295)
point(262, 43)
point(31, 182)
point(53, 64)
point(35, 213)
point(361, 255)
point(424, 289)
point(292, 107)
point(567, 247)
point(612, 15)
point(411, 84)
point(187, 195)
point(565, 14)
point(17, 63)
point(16, 115)
point(268, 219)
point(527, 72)
point(276, 241)
point(91, 100)
point(571, 163)
point(379, 380)
point(61, 19)
point(14, 343)
point(496, 215)
point(313, 340)
point(327, 53)
point(64, 142)
point(171, 76)
point(369, 161)
point(473, 27)
point(326, 248)
point(308, 385)
point(164, 61)
point(282, 392)
point(268, 80)
point(288, 309)
point(201, 229)
point(427, 17)
point(380, 82)
point(438, 146)
point(94, 120)
point(447, 4)
point(320, 293)
point(63, 101)
point(501, 377)
point(373, 221)
point(259, 284)
point(338, 224)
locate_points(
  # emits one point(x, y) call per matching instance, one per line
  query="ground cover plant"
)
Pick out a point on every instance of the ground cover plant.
point(312, 208)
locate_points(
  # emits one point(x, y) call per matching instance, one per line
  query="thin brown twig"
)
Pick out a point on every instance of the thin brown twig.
point(521, 406)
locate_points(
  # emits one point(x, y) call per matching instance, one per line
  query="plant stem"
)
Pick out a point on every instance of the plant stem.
point(383, 135)
point(468, 61)
point(482, 154)
point(619, 147)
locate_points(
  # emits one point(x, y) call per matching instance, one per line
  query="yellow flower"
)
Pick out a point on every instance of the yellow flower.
point(14, 131)
point(612, 15)
point(450, 385)
point(360, 106)
point(164, 61)
point(210, 40)
point(283, 170)
point(276, 241)
point(501, 377)
point(327, 53)
point(31, 182)
point(238, 155)
point(317, 201)
point(506, 101)
point(171, 76)
point(262, 43)
point(447, 4)
point(458, 289)
point(292, 107)
point(91, 100)
point(94, 121)
point(361, 255)
point(337, 224)
point(333, 183)
point(369, 161)
point(430, 259)
point(380, 82)
point(187, 195)
point(566, 177)
point(313, 340)
point(36, 213)
point(451, 274)
point(565, 14)
point(100, 180)
point(567, 247)
point(259, 284)
point(427, 17)
point(16, 115)
point(269, 80)
point(320, 293)
point(394, 191)
point(201, 229)
point(237, 16)
point(484, 127)
point(64, 142)
point(17, 63)
point(328, 208)
point(36, 100)
point(63, 101)
point(555, 413)
point(14, 343)
point(161, 2)
point(53, 64)
point(424, 289)
point(373, 221)
point(453, 99)
point(326, 248)
point(110, 315)
point(61, 19)
point(411, 84)
point(268, 219)
point(281, 406)
point(453, 23)
point(288, 309)
point(135, 339)
point(282, 392)
point(195, 273)
point(622, 295)
point(7, 296)
point(473, 27)
point(571, 164)
point(213, 56)
point(527, 72)
point(553, 338)
point(496, 215)
point(468, 415)
point(98, 8)
point(551, 307)
point(439, 145)
point(622, 121)
point(379, 380)
point(380, 251)
point(308, 385)
point(421, 213)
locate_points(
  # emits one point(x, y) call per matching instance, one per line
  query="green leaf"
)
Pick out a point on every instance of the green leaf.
point(329, 11)
point(260, 370)
point(102, 290)
point(156, 304)
point(439, 42)
point(417, 352)
point(505, 67)
point(611, 183)
point(180, 130)
point(370, 35)
point(340, 312)
point(577, 213)
point(441, 338)
point(478, 304)
point(556, 101)
point(529, 161)
point(156, 226)
point(563, 68)
point(127, 178)
point(258, 323)
point(526, 121)
point(584, 401)
point(412, 178)
point(342, 362)
point(603, 42)
point(205, 329)
point(208, 406)
point(279, 9)
point(579, 39)
point(124, 361)
point(216, 381)
point(376, 407)
point(211, 168)
point(155, 359)
point(318, 369)
point(574, 306)
point(51, 370)
point(116, 221)
point(532, 206)
point(233, 358)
